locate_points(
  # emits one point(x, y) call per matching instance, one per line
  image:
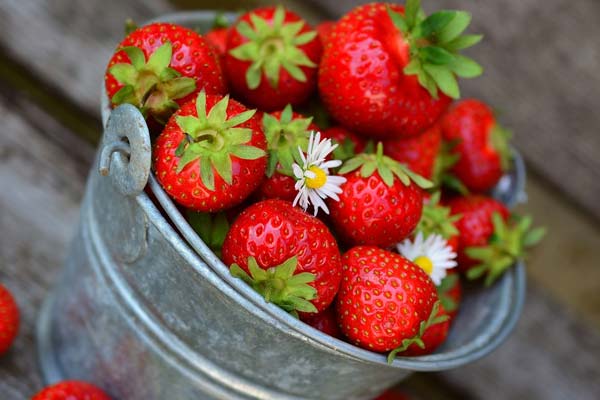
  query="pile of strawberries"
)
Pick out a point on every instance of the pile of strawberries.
point(332, 169)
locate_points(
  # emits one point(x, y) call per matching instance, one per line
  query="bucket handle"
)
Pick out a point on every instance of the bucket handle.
point(126, 152)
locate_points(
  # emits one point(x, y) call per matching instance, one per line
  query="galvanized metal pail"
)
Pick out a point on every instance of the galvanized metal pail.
point(146, 311)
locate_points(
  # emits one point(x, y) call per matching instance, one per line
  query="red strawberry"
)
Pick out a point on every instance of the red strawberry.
point(436, 219)
point(390, 73)
point(480, 144)
point(349, 144)
point(380, 203)
point(417, 152)
point(324, 30)
point(272, 57)
point(324, 321)
point(393, 394)
point(71, 390)
point(161, 66)
point(292, 258)
point(285, 131)
point(450, 293)
point(385, 301)
point(489, 244)
point(475, 223)
point(9, 319)
point(218, 37)
point(211, 155)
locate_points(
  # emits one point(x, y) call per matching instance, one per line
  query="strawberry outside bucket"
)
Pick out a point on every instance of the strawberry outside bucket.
point(145, 310)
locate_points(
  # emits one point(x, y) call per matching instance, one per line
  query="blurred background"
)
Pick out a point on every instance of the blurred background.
point(541, 62)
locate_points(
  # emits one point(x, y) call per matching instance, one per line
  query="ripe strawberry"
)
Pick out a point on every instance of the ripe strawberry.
point(475, 223)
point(292, 258)
point(161, 66)
point(272, 57)
point(385, 301)
point(450, 293)
point(436, 219)
point(480, 144)
point(488, 243)
point(349, 144)
point(9, 319)
point(71, 390)
point(393, 394)
point(324, 321)
point(324, 30)
point(217, 35)
point(380, 203)
point(211, 155)
point(285, 131)
point(417, 152)
point(388, 72)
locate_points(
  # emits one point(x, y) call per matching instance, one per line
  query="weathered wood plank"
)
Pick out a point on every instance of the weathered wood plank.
point(42, 172)
point(66, 44)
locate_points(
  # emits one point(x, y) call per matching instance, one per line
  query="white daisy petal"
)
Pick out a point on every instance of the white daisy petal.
point(433, 248)
point(316, 157)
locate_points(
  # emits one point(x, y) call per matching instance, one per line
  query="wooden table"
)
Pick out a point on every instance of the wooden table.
point(542, 74)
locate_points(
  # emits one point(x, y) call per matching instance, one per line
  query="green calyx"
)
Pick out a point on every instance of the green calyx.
point(445, 286)
point(279, 285)
point(387, 168)
point(507, 244)
point(151, 85)
point(500, 137)
point(435, 42)
point(433, 319)
point(436, 219)
point(284, 136)
point(213, 138)
point(444, 161)
point(211, 227)
point(272, 46)
point(345, 150)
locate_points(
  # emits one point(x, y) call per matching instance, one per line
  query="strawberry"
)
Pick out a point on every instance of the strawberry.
point(71, 390)
point(389, 72)
point(159, 67)
point(392, 394)
point(349, 144)
point(211, 154)
point(416, 152)
point(272, 57)
point(217, 36)
point(436, 219)
point(480, 144)
point(286, 131)
point(450, 293)
point(490, 244)
point(292, 258)
point(9, 319)
point(324, 30)
point(385, 301)
point(380, 203)
point(325, 321)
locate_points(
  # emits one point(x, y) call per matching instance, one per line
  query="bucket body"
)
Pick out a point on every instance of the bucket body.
point(144, 310)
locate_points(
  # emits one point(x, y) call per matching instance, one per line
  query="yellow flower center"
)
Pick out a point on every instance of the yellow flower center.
point(425, 263)
point(319, 180)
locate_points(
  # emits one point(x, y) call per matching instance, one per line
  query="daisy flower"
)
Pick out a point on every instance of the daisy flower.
point(313, 182)
point(433, 254)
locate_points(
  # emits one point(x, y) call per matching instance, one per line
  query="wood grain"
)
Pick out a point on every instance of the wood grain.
point(42, 172)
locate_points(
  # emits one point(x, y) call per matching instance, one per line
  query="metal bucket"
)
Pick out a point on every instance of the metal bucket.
point(146, 311)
